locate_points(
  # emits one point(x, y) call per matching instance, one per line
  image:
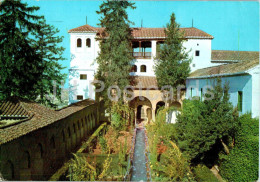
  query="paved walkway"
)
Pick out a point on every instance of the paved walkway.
point(139, 167)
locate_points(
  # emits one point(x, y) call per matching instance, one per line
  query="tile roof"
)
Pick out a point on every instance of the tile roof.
point(221, 56)
point(225, 69)
point(13, 108)
point(141, 33)
point(144, 82)
point(42, 116)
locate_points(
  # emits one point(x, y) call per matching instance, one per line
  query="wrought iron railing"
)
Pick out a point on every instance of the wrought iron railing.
point(142, 55)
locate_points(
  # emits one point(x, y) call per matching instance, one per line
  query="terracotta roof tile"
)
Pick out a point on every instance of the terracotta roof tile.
point(233, 68)
point(144, 82)
point(233, 56)
point(139, 33)
point(42, 116)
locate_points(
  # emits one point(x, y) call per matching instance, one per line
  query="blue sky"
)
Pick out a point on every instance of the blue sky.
point(234, 24)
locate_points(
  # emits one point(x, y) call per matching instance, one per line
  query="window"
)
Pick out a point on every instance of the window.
point(240, 101)
point(193, 65)
point(88, 42)
point(79, 97)
point(134, 68)
point(197, 53)
point(197, 44)
point(83, 76)
point(79, 43)
point(191, 92)
point(143, 68)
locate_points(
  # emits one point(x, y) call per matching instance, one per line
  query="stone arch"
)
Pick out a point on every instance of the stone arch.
point(69, 133)
point(140, 104)
point(26, 160)
point(63, 136)
point(159, 105)
point(8, 170)
point(175, 104)
point(74, 128)
point(78, 125)
point(52, 142)
point(40, 151)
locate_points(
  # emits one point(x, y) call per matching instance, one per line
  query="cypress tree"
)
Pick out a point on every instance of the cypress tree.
point(172, 63)
point(47, 46)
point(114, 59)
point(28, 52)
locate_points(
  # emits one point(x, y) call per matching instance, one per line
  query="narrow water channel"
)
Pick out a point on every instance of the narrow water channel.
point(139, 167)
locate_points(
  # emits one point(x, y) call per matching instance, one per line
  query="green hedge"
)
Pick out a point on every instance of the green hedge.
point(203, 174)
point(242, 162)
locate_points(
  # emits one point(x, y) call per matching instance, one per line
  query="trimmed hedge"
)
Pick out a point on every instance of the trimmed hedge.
point(242, 162)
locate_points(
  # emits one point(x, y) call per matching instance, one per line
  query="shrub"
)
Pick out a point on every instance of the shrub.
point(242, 163)
point(203, 174)
point(202, 125)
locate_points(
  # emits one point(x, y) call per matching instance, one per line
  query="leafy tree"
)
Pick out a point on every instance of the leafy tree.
point(172, 65)
point(28, 52)
point(114, 59)
point(203, 127)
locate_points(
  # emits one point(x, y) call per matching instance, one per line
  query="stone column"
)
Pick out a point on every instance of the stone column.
point(153, 114)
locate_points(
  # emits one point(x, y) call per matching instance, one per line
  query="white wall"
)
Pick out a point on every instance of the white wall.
point(255, 90)
point(83, 57)
point(204, 59)
point(83, 60)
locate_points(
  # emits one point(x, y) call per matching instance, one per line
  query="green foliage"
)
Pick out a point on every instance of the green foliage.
point(81, 170)
point(114, 58)
point(29, 52)
point(173, 166)
point(121, 116)
point(103, 144)
point(201, 125)
point(172, 65)
point(203, 174)
point(242, 162)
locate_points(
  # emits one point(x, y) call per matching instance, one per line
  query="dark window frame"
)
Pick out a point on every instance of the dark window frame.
point(88, 42)
point(79, 43)
point(79, 97)
point(83, 76)
point(143, 68)
point(197, 53)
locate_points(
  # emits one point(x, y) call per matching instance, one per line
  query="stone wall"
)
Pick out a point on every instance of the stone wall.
point(37, 155)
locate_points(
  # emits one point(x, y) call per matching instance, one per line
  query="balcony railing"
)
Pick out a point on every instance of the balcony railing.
point(141, 55)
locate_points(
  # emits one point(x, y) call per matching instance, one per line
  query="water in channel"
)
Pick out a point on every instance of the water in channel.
point(139, 167)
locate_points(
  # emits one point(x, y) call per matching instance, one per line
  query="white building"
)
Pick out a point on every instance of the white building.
point(84, 48)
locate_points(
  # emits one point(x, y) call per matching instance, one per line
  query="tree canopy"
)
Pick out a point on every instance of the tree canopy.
point(172, 61)
point(203, 124)
point(29, 52)
point(114, 58)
